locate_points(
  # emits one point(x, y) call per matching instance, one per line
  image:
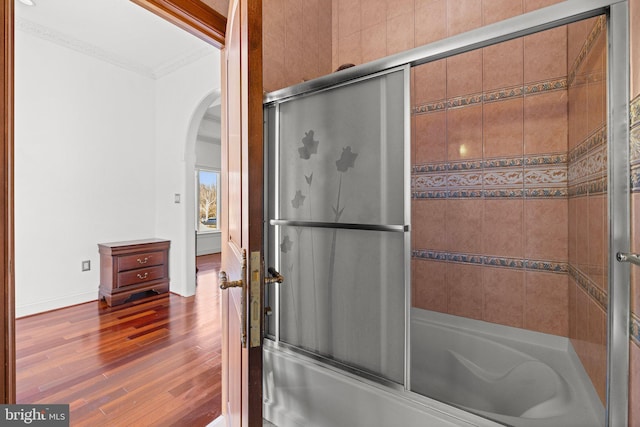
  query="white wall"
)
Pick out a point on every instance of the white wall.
point(181, 99)
point(84, 169)
point(99, 153)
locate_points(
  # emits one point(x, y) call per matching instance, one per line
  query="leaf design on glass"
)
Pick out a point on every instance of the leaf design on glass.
point(337, 213)
point(309, 146)
point(309, 178)
point(298, 200)
point(286, 244)
point(347, 159)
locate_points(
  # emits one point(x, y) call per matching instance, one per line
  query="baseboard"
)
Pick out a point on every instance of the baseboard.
point(54, 304)
point(218, 422)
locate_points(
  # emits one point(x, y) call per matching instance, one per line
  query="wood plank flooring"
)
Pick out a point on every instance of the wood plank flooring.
point(146, 363)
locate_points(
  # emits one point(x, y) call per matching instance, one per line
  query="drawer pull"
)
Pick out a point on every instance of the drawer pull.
point(140, 276)
point(143, 261)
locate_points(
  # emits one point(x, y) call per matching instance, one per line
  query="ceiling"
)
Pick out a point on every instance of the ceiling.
point(116, 31)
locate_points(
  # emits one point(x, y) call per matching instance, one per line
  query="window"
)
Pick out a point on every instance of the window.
point(208, 208)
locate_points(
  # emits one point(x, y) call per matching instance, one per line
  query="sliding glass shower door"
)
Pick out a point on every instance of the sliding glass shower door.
point(338, 222)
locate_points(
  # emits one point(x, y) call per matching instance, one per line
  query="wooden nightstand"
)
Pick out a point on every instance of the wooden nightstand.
point(132, 267)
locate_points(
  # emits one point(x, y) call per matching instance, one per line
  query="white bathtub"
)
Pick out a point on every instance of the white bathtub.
point(514, 376)
point(300, 392)
point(509, 375)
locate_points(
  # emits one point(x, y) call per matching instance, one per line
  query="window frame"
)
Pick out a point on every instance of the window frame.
point(198, 224)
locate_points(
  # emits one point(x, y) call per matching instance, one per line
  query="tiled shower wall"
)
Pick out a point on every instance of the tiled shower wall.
point(588, 218)
point(296, 41)
point(489, 184)
point(509, 187)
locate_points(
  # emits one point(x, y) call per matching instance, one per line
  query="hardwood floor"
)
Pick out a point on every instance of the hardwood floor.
point(146, 363)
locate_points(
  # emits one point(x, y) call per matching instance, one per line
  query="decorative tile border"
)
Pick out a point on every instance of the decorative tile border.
point(492, 261)
point(492, 96)
point(547, 86)
point(598, 295)
point(634, 328)
point(635, 179)
point(504, 93)
point(597, 29)
point(589, 167)
point(531, 176)
point(597, 139)
point(634, 112)
point(634, 143)
point(588, 162)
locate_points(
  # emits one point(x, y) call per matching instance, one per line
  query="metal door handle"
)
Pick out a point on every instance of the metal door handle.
point(275, 277)
point(225, 283)
point(628, 257)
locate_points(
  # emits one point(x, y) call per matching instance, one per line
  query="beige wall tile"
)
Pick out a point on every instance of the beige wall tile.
point(399, 7)
point(430, 137)
point(503, 128)
point(464, 225)
point(428, 221)
point(498, 10)
point(572, 304)
point(374, 42)
point(578, 108)
point(598, 349)
point(634, 12)
point(463, 15)
point(400, 34)
point(350, 49)
point(545, 123)
point(464, 283)
point(597, 238)
point(546, 304)
point(349, 13)
point(582, 231)
point(546, 229)
point(373, 12)
point(430, 285)
point(634, 385)
point(538, 4)
point(464, 74)
point(504, 296)
point(430, 21)
point(545, 55)
point(430, 82)
point(503, 65)
point(503, 228)
point(464, 133)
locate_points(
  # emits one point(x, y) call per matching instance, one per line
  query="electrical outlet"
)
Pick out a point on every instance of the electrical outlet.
point(176, 198)
point(86, 265)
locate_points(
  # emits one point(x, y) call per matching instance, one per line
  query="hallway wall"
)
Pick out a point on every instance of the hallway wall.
point(84, 169)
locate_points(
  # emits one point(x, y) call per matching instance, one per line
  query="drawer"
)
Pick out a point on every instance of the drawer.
point(141, 275)
point(143, 260)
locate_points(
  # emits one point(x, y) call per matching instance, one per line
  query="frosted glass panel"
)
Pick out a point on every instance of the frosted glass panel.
point(344, 296)
point(342, 154)
point(340, 157)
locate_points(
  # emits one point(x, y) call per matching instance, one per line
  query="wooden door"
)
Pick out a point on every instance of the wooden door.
point(242, 214)
point(7, 320)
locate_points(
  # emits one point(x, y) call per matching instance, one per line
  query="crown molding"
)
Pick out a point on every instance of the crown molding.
point(81, 46)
